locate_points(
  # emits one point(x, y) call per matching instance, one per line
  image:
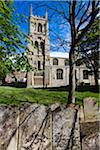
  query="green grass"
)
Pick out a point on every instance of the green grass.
point(15, 96)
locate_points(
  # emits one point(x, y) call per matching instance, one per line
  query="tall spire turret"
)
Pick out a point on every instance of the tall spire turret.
point(47, 26)
point(31, 13)
point(46, 14)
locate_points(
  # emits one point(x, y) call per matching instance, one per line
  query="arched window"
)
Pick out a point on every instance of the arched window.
point(34, 26)
point(85, 74)
point(36, 45)
point(55, 61)
point(59, 74)
point(32, 53)
point(66, 62)
point(32, 43)
point(39, 65)
point(42, 47)
point(39, 27)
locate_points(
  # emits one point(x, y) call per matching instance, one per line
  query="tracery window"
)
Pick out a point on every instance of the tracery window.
point(36, 45)
point(42, 47)
point(39, 65)
point(32, 43)
point(59, 74)
point(55, 61)
point(32, 53)
point(85, 74)
point(39, 27)
point(34, 26)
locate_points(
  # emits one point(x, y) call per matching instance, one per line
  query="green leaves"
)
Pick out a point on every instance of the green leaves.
point(12, 47)
point(5, 39)
point(89, 49)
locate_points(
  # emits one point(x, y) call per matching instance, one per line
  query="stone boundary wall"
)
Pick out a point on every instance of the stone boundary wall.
point(38, 127)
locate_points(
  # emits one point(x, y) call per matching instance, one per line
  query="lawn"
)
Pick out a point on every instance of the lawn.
point(15, 96)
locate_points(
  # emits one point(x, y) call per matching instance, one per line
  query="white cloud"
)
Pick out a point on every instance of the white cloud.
point(59, 54)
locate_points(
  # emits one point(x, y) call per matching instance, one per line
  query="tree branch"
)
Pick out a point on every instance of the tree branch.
point(80, 8)
point(85, 29)
point(81, 19)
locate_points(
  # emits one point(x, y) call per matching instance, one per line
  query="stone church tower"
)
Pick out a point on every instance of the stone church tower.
point(39, 47)
point(49, 70)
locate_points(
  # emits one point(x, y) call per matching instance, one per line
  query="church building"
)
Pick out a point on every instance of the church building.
point(49, 70)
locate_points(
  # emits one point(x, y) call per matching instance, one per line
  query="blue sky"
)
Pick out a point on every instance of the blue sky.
point(58, 29)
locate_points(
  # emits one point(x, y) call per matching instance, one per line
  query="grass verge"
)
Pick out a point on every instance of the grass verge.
point(16, 96)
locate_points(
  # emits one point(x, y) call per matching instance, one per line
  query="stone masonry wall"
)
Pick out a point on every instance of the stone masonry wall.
point(38, 127)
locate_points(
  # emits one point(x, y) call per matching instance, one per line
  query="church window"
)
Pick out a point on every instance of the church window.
point(42, 47)
point(39, 65)
point(32, 53)
point(55, 61)
point(34, 26)
point(66, 62)
point(39, 27)
point(59, 74)
point(36, 45)
point(85, 74)
point(39, 38)
point(32, 43)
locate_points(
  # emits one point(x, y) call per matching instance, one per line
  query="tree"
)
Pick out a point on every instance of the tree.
point(76, 35)
point(12, 48)
point(89, 49)
point(79, 15)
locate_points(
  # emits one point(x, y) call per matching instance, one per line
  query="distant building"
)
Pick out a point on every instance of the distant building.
point(56, 69)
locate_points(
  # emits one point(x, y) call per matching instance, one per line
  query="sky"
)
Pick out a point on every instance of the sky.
point(58, 31)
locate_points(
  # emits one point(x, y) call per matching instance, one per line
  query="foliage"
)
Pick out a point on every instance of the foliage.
point(89, 46)
point(13, 49)
point(79, 16)
point(89, 49)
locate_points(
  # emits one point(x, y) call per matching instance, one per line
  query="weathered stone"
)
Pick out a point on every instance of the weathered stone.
point(81, 114)
point(8, 124)
point(90, 109)
point(54, 106)
point(39, 127)
point(90, 136)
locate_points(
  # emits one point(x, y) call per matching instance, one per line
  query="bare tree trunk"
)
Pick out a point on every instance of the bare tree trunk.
point(44, 71)
point(44, 65)
point(71, 96)
point(3, 80)
point(96, 77)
